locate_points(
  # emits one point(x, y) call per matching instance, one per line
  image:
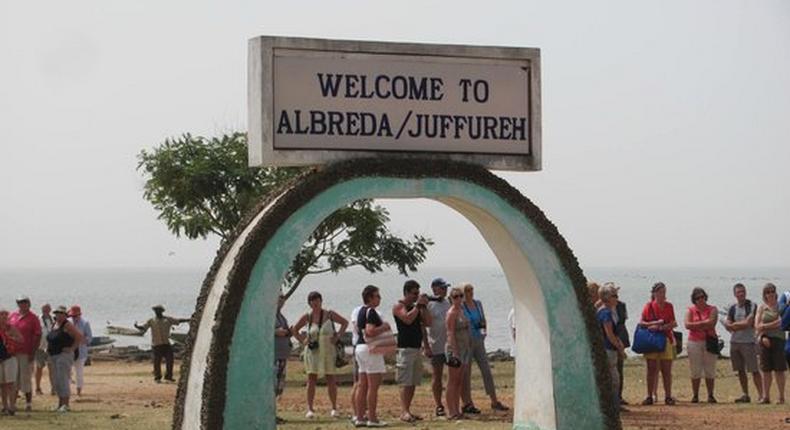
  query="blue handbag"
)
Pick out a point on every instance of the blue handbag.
point(646, 341)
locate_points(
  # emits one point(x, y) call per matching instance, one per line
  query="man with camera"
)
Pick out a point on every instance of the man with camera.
point(411, 316)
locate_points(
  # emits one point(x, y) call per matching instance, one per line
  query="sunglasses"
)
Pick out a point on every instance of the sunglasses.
point(458, 296)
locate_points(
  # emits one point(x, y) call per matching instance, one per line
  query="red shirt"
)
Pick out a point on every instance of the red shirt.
point(652, 312)
point(29, 327)
point(701, 315)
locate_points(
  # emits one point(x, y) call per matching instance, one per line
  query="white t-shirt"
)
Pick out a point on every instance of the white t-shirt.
point(437, 332)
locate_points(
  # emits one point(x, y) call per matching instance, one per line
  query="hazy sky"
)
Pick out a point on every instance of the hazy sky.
point(666, 132)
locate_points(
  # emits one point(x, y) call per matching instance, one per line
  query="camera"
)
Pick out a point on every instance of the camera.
point(312, 345)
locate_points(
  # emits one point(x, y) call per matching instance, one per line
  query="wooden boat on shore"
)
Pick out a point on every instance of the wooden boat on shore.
point(100, 343)
point(123, 331)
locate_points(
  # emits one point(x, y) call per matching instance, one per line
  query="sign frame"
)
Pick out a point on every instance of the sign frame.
point(261, 86)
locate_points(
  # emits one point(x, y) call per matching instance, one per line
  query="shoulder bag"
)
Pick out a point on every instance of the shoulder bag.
point(647, 341)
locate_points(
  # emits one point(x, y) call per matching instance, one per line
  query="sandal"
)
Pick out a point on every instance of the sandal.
point(440, 411)
point(408, 418)
point(456, 417)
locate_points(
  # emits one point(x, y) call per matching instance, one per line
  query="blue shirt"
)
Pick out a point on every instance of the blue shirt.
point(85, 328)
point(604, 315)
point(475, 318)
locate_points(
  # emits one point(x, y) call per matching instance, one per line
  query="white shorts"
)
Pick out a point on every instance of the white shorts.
point(8, 371)
point(369, 363)
point(24, 382)
point(701, 362)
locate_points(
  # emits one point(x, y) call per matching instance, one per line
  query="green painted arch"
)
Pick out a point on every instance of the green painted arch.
point(558, 386)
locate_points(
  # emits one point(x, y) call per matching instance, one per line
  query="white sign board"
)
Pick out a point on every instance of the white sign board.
point(316, 101)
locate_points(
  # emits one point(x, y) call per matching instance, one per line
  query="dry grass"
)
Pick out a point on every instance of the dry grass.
point(122, 396)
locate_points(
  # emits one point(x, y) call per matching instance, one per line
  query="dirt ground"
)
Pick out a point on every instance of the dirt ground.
point(123, 396)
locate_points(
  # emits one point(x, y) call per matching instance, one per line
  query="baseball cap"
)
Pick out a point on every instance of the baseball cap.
point(60, 310)
point(23, 298)
point(440, 282)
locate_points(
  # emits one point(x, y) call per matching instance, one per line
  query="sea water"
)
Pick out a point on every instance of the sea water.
point(123, 296)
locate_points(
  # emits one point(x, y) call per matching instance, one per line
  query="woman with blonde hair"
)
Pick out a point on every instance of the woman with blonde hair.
point(319, 349)
point(458, 352)
point(771, 338)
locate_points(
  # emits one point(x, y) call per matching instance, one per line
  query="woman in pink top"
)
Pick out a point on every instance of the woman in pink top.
point(701, 323)
point(659, 315)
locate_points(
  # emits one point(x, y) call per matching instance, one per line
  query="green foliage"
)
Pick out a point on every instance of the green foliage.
point(202, 186)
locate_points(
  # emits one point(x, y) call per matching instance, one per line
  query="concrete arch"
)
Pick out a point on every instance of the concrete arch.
point(561, 377)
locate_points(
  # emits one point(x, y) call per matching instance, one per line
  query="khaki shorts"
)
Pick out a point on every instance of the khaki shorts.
point(409, 365)
point(701, 362)
point(25, 375)
point(743, 357)
point(8, 371)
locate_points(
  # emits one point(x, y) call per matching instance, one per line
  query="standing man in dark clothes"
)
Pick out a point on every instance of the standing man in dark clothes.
point(282, 349)
point(411, 318)
point(160, 327)
point(621, 314)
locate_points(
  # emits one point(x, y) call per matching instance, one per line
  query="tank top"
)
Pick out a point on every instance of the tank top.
point(57, 339)
point(701, 315)
point(409, 335)
point(462, 336)
point(770, 315)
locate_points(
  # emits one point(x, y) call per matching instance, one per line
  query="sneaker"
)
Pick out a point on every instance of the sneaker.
point(670, 401)
point(743, 399)
point(498, 406)
point(309, 414)
point(63, 409)
point(376, 424)
point(440, 411)
point(334, 414)
point(647, 402)
point(360, 423)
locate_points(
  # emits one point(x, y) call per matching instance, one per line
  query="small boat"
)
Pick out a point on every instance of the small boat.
point(99, 343)
point(123, 331)
point(179, 338)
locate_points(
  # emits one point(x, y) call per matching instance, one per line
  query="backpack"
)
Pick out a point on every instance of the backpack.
point(747, 306)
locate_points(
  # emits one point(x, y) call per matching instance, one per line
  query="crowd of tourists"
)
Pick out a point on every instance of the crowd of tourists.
point(57, 340)
point(757, 341)
point(447, 327)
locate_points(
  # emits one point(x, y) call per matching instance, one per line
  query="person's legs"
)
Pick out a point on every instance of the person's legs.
point(374, 380)
point(780, 385)
point(24, 381)
point(406, 397)
point(767, 386)
point(454, 385)
point(620, 365)
point(466, 389)
point(79, 371)
point(41, 362)
point(743, 379)
point(331, 388)
point(611, 359)
point(158, 354)
point(758, 384)
point(652, 379)
point(709, 369)
point(361, 400)
point(666, 376)
point(168, 352)
point(312, 379)
point(481, 358)
point(437, 375)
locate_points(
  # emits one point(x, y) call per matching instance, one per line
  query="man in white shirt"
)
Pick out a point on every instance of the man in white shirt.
point(437, 338)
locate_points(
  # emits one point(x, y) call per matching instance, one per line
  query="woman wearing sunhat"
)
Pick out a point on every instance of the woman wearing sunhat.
point(62, 341)
point(87, 336)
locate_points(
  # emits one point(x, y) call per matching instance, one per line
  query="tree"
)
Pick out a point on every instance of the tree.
point(203, 186)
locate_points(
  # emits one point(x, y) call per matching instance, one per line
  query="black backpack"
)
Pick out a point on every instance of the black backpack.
point(747, 306)
point(4, 355)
